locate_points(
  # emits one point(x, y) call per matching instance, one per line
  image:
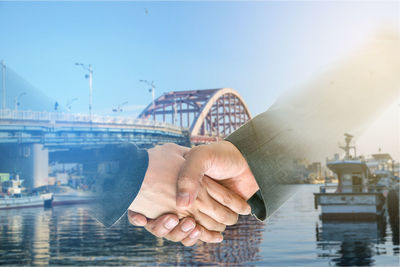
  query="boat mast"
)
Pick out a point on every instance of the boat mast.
point(347, 147)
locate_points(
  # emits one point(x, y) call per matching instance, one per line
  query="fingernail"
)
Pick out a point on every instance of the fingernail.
point(194, 234)
point(170, 224)
point(137, 221)
point(187, 226)
point(183, 199)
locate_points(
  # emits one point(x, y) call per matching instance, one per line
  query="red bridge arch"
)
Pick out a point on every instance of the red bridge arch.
point(208, 115)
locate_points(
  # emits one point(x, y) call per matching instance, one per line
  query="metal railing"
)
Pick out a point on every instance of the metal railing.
point(60, 117)
point(352, 188)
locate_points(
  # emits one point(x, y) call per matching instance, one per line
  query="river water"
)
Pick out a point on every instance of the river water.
point(293, 236)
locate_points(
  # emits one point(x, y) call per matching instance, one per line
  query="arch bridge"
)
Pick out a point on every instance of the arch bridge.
point(208, 115)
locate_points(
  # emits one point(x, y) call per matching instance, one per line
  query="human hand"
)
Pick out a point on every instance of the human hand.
point(212, 209)
point(171, 228)
point(221, 161)
point(242, 182)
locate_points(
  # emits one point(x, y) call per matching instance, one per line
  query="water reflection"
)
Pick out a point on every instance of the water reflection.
point(352, 243)
point(24, 238)
point(394, 225)
point(242, 244)
point(67, 235)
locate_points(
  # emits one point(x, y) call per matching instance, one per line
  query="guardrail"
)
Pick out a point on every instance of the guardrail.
point(60, 117)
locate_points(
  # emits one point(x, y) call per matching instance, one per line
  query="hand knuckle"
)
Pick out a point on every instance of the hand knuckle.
point(224, 217)
point(215, 208)
point(227, 199)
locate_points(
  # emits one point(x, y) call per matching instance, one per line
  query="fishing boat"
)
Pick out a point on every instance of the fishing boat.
point(15, 198)
point(354, 198)
point(65, 195)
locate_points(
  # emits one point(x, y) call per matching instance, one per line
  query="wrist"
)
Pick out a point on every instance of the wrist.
point(157, 193)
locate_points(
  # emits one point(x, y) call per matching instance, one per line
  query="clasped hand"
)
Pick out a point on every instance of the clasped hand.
point(192, 194)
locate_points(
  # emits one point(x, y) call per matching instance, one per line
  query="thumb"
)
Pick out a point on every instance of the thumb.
point(136, 219)
point(198, 161)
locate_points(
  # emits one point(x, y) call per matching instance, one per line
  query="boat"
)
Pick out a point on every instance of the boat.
point(65, 195)
point(42, 200)
point(16, 199)
point(354, 198)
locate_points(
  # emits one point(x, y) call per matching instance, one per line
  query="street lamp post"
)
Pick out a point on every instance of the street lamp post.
point(90, 76)
point(152, 90)
point(16, 100)
point(3, 71)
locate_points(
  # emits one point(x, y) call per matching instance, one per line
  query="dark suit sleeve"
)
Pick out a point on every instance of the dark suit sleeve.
point(119, 171)
point(308, 123)
point(270, 161)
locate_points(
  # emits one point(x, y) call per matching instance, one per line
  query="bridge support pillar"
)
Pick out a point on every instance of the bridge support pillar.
point(40, 165)
point(32, 164)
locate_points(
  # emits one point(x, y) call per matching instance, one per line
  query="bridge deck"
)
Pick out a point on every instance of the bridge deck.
point(60, 129)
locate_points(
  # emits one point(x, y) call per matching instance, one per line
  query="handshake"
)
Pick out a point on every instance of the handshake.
point(189, 195)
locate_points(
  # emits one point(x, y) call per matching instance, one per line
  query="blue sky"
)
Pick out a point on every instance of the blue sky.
point(259, 48)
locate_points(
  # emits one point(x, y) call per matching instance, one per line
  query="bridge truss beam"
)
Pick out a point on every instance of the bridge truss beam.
point(209, 115)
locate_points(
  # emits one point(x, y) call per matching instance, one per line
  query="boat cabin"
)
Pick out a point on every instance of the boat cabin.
point(352, 175)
